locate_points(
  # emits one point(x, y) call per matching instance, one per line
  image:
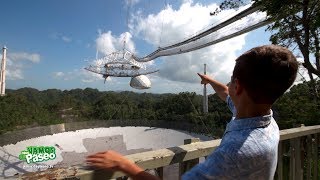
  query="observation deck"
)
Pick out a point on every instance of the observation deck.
point(298, 158)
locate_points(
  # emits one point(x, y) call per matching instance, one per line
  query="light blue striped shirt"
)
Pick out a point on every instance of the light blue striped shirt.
point(248, 150)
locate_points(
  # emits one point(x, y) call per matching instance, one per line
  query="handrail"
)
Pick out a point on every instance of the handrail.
point(299, 132)
point(158, 158)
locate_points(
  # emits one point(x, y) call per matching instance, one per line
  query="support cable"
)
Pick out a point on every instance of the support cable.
point(235, 18)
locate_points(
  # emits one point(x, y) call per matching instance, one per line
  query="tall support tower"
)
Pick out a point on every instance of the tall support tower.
point(205, 97)
point(3, 72)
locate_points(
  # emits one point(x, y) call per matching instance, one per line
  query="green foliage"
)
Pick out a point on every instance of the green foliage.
point(296, 24)
point(29, 107)
point(17, 111)
point(298, 107)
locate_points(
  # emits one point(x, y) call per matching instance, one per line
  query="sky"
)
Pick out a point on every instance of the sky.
point(50, 42)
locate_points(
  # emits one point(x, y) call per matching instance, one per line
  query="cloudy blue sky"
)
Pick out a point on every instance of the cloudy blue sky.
point(50, 42)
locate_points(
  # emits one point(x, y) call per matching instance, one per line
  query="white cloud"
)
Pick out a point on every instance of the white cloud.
point(88, 77)
point(66, 39)
point(33, 57)
point(131, 2)
point(14, 74)
point(16, 64)
point(58, 74)
point(303, 74)
point(170, 26)
point(60, 36)
point(79, 74)
point(107, 43)
point(174, 25)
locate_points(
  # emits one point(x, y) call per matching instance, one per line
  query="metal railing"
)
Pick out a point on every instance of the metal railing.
point(298, 158)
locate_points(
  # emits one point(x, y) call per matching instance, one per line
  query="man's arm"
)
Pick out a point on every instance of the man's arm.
point(112, 161)
point(218, 165)
point(219, 88)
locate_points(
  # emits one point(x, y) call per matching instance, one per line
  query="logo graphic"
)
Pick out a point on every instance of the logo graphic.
point(35, 154)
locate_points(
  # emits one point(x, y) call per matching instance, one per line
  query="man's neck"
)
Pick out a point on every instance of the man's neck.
point(252, 110)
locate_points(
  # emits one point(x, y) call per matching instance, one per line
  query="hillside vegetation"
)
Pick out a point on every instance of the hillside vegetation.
point(29, 107)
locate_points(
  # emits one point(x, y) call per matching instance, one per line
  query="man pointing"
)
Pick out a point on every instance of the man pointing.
point(249, 146)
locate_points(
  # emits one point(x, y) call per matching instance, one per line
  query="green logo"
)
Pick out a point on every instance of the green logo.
point(35, 154)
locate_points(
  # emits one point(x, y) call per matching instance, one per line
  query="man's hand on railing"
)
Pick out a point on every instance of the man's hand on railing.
point(113, 161)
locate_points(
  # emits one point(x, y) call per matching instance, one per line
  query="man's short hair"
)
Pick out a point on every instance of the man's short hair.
point(266, 72)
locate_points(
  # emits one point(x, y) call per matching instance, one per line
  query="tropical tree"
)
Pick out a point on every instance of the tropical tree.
point(296, 24)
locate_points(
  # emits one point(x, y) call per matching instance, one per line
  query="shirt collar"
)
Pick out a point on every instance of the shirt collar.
point(249, 123)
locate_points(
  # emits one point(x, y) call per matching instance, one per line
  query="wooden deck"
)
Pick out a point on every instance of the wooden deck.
point(298, 158)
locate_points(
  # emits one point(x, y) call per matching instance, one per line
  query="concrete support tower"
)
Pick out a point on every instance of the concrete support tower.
point(3, 72)
point(205, 97)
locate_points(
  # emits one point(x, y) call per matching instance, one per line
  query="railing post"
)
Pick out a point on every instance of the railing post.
point(187, 165)
point(280, 161)
point(292, 160)
point(315, 156)
point(160, 172)
point(297, 147)
point(309, 159)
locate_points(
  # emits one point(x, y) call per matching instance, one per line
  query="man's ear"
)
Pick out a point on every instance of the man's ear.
point(238, 87)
